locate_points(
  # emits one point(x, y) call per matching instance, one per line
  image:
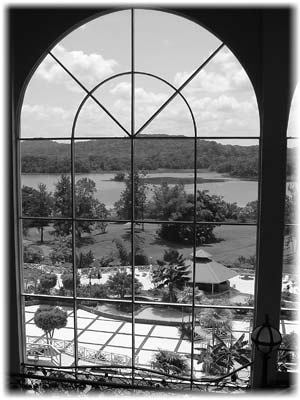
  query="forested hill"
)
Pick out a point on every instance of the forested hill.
point(114, 155)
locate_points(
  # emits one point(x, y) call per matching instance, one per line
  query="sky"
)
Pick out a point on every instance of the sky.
point(221, 96)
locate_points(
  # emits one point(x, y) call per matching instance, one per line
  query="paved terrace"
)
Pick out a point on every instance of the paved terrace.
point(113, 337)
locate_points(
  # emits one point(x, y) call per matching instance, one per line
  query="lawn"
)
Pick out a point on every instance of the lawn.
point(233, 242)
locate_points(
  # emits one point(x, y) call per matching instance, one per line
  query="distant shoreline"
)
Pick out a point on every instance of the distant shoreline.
point(158, 179)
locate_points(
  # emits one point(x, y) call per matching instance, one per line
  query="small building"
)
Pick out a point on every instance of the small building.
point(210, 276)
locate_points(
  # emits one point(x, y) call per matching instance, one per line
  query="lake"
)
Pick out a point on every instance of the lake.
point(108, 191)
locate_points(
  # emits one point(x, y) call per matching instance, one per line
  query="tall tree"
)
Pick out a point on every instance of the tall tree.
point(101, 212)
point(171, 272)
point(36, 203)
point(63, 205)
point(124, 205)
point(174, 204)
point(86, 205)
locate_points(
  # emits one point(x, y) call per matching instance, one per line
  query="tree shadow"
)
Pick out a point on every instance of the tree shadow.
point(85, 241)
point(216, 240)
point(167, 243)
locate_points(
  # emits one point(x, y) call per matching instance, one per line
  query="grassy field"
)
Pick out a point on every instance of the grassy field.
point(233, 242)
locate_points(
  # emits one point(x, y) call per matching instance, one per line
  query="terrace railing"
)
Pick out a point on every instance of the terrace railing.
point(43, 352)
point(123, 378)
point(84, 353)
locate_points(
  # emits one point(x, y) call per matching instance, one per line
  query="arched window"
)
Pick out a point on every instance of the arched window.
point(139, 201)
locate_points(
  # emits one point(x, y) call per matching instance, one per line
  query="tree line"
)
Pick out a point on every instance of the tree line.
point(150, 154)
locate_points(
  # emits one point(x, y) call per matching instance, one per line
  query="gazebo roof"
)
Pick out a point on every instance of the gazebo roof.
point(202, 254)
point(211, 272)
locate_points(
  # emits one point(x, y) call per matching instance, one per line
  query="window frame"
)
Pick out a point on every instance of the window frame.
point(277, 147)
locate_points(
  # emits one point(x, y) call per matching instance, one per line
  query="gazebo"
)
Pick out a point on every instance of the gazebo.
point(210, 274)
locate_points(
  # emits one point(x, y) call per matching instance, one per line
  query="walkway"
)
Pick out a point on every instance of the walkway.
point(110, 336)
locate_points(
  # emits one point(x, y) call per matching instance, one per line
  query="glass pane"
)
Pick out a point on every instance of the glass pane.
point(165, 179)
point(287, 355)
point(227, 180)
point(289, 299)
point(161, 268)
point(217, 329)
point(225, 264)
point(102, 168)
point(150, 94)
point(290, 249)
point(224, 268)
point(222, 98)
point(292, 173)
point(50, 102)
point(163, 339)
point(49, 331)
point(174, 120)
point(45, 178)
point(174, 46)
point(47, 257)
point(293, 124)
point(115, 96)
point(103, 338)
point(103, 254)
point(292, 159)
point(93, 121)
point(98, 49)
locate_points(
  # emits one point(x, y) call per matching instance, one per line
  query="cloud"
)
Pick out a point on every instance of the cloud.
point(41, 112)
point(89, 69)
point(46, 121)
point(222, 74)
point(167, 42)
point(123, 89)
point(146, 102)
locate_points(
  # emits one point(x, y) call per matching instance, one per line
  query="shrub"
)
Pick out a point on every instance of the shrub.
point(93, 291)
point(85, 259)
point(140, 259)
point(32, 255)
point(170, 362)
point(49, 318)
point(48, 281)
point(217, 318)
point(185, 329)
point(67, 281)
point(119, 177)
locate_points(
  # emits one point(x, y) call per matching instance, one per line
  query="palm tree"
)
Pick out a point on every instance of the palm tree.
point(221, 359)
point(185, 296)
point(171, 272)
point(216, 318)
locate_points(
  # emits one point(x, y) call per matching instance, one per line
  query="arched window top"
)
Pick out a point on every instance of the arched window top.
point(146, 55)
